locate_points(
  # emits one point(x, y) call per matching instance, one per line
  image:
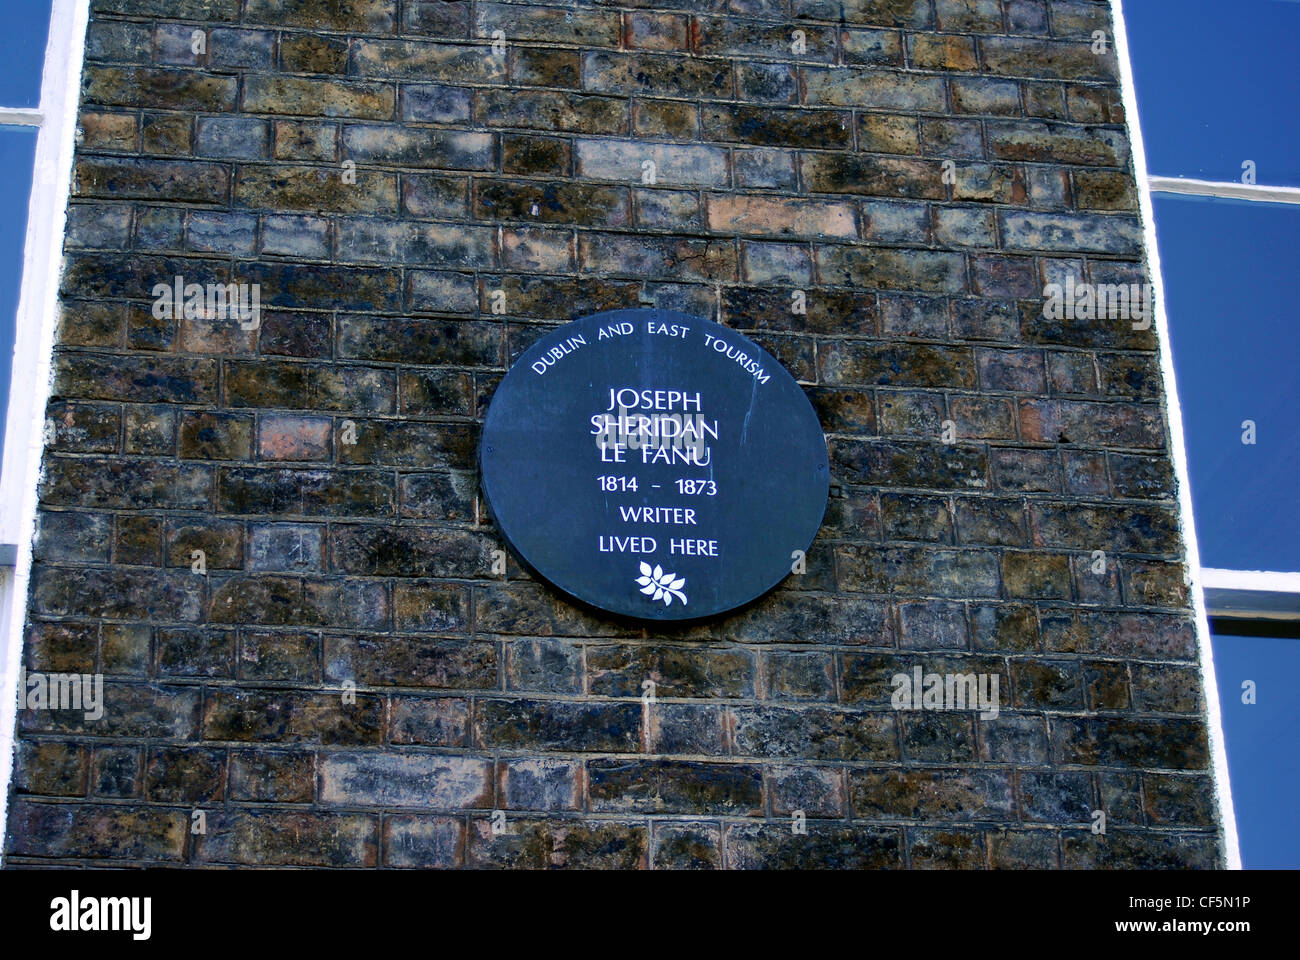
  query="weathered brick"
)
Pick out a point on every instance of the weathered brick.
point(944, 53)
point(825, 846)
point(313, 53)
point(637, 256)
point(405, 147)
point(284, 187)
point(887, 133)
point(780, 217)
point(160, 89)
point(555, 202)
point(305, 140)
point(286, 716)
point(665, 118)
point(52, 768)
point(262, 837)
point(116, 483)
point(185, 775)
point(657, 786)
point(1022, 57)
point(531, 844)
point(423, 842)
point(1170, 744)
point(130, 710)
point(682, 77)
point(882, 212)
point(1076, 421)
point(599, 28)
point(1057, 143)
point(96, 831)
point(405, 780)
point(288, 601)
point(377, 16)
point(776, 127)
point(544, 110)
point(301, 96)
point(435, 18)
point(893, 365)
point(673, 163)
point(687, 846)
point(425, 62)
point(179, 180)
point(872, 46)
point(814, 733)
point(930, 271)
point(426, 244)
point(409, 551)
point(931, 794)
point(974, 16)
point(1145, 851)
point(558, 725)
point(429, 721)
point(875, 90)
point(620, 671)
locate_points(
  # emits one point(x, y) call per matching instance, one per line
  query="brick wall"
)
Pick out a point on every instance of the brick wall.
point(370, 562)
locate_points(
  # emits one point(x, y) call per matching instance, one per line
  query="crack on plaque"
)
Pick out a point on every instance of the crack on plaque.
point(744, 430)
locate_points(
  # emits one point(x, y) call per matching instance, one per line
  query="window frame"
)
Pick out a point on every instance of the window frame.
point(1178, 447)
point(38, 306)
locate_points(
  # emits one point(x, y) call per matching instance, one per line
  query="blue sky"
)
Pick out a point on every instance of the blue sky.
point(22, 52)
point(1217, 85)
point(1227, 267)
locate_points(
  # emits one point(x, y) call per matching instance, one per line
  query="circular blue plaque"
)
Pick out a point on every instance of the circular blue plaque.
point(654, 465)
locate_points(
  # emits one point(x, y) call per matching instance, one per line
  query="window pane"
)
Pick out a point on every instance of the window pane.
point(1217, 85)
point(17, 158)
point(1230, 269)
point(22, 51)
point(1261, 738)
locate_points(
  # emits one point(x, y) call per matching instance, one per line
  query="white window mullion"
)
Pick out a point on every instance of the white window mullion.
point(22, 116)
point(1255, 594)
point(1224, 189)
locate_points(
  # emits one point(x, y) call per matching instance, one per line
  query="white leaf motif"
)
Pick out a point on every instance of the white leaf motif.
point(658, 585)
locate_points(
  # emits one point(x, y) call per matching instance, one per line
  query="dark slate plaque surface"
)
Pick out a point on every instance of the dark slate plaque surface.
point(654, 465)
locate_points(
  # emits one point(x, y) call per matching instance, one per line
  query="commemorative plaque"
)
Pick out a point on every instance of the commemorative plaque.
point(654, 465)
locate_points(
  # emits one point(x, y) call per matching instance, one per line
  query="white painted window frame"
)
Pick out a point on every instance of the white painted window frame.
point(1255, 594)
point(1178, 450)
point(1238, 593)
point(38, 305)
point(1261, 594)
